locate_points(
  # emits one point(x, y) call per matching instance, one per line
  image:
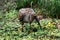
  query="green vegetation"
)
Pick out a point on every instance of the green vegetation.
point(48, 7)
point(10, 27)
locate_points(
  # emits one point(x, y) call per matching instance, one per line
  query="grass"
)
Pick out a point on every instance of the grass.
point(10, 29)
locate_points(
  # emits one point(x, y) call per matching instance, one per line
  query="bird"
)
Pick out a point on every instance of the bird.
point(27, 15)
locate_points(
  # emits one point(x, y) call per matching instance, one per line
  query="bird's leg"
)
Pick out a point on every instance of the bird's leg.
point(30, 29)
point(21, 20)
point(30, 26)
point(22, 27)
